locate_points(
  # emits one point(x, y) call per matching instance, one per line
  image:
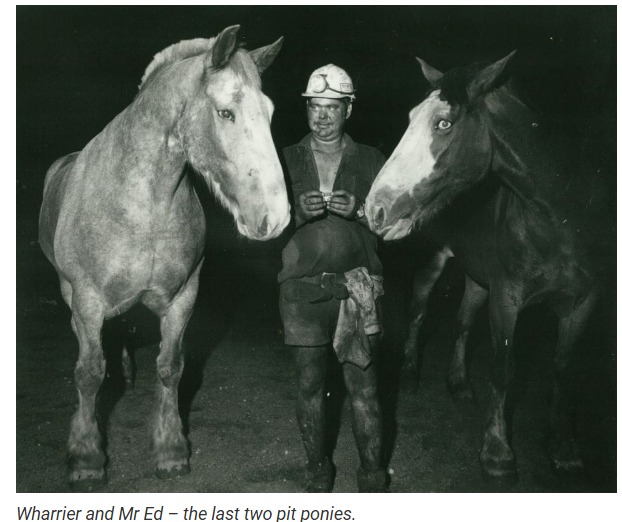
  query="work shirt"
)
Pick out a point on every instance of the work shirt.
point(330, 243)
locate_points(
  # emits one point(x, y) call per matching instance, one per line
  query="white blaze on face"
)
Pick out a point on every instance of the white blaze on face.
point(253, 168)
point(412, 160)
point(388, 208)
point(265, 174)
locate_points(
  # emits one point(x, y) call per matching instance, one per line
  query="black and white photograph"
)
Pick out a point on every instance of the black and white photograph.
point(315, 249)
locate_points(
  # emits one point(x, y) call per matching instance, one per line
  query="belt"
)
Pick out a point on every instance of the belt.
point(325, 286)
point(325, 279)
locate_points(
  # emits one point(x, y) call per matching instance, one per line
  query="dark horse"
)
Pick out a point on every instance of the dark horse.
point(473, 148)
point(121, 221)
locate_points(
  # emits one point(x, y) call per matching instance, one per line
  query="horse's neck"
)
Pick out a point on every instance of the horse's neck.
point(522, 159)
point(471, 202)
point(527, 224)
point(531, 186)
point(154, 151)
point(139, 152)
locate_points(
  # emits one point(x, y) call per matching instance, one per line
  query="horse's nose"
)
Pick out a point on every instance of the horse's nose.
point(377, 217)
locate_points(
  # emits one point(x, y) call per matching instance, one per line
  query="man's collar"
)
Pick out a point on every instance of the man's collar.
point(350, 147)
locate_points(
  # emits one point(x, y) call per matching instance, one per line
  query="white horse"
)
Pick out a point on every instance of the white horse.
point(121, 221)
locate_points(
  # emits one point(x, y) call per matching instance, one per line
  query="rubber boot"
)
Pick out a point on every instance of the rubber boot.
point(320, 477)
point(372, 481)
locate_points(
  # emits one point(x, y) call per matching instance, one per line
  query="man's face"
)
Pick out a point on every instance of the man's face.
point(327, 117)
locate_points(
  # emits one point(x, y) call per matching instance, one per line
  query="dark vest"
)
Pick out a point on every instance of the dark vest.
point(331, 243)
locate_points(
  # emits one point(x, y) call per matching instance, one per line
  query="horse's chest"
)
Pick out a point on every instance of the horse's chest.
point(129, 253)
point(472, 241)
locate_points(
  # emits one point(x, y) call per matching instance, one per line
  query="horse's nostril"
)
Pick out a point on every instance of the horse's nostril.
point(263, 228)
point(378, 217)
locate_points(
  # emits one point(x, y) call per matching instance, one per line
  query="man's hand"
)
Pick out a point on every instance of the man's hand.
point(343, 203)
point(311, 204)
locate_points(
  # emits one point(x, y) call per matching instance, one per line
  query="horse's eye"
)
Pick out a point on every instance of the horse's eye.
point(443, 125)
point(226, 114)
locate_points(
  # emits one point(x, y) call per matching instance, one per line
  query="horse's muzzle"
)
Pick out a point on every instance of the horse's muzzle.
point(378, 222)
point(269, 227)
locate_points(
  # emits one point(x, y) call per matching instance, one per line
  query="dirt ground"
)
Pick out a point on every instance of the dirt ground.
point(238, 392)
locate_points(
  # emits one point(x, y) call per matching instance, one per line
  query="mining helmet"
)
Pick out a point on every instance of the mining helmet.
point(329, 81)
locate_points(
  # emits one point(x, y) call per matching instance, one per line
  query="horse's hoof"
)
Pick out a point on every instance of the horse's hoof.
point(412, 374)
point(461, 393)
point(410, 367)
point(86, 480)
point(565, 458)
point(499, 474)
point(568, 471)
point(410, 363)
point(170, 470)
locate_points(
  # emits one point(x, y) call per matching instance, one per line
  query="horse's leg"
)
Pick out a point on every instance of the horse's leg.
point(423, 284)
point(127, 366)
point(362, 389)
point(472, 300)
point(563, 450)
point(496, 457)
point(86, 456)
point(170, 445)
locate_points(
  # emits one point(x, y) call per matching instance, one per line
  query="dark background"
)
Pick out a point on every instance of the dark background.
point(77, 67)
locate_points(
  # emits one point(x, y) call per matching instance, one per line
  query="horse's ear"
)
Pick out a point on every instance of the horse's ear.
point(486, 78)
point(264, 56)
point(430, 73)
point(225, 46)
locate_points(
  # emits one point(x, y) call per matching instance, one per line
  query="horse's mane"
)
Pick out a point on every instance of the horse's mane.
point(243, 67)
point(453, 84)
point(525, 147)
point(173, 53)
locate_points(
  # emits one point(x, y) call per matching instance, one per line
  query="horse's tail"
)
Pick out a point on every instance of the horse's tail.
point(52, 199)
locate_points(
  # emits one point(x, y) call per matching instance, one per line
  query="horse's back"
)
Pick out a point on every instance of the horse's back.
point(53, 192)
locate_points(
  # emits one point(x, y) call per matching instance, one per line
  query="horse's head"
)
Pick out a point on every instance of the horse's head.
point(224, 130)
point(445, 150)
